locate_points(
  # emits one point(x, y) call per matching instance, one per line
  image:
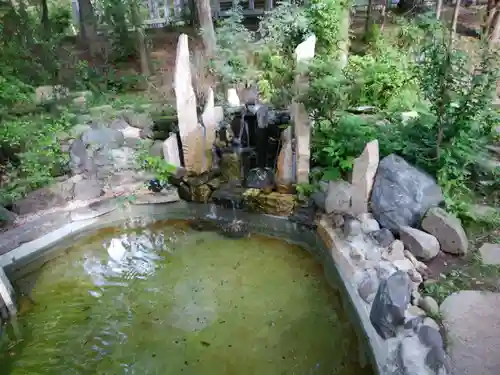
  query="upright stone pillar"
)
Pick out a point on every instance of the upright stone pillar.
point(285, 170)
point(301, 122)
point(191, 132)
point(211, 117)
point(363, 174)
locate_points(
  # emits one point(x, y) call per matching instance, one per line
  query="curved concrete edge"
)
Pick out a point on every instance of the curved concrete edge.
point(323, 244)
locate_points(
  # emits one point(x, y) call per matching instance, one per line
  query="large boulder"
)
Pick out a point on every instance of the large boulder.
point(402, 194)
point(392, 299)
point(472, 323)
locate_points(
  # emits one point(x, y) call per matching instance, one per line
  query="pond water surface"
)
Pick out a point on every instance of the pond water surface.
point(171, 300)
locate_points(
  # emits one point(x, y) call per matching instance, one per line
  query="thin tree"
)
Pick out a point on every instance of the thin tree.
point(88, 26)
point(439, 8)
point(207, 26)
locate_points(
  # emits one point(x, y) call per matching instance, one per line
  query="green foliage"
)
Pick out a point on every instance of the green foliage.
point(327, 19)
point(235, 47)
point(159, 167)
point(31, 153)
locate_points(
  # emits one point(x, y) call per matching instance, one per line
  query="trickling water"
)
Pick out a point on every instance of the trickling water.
point(204, 158)
point(213, 211)
point(175, 301)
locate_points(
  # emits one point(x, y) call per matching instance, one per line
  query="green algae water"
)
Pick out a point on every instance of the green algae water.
point(171, 300)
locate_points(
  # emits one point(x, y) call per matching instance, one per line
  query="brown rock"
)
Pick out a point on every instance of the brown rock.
point(273, 203)
point(447, 229)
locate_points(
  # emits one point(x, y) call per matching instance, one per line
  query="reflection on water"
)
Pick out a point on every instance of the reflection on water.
point(168, 300)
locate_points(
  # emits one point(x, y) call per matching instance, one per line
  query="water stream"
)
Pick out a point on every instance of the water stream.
point(170, 300)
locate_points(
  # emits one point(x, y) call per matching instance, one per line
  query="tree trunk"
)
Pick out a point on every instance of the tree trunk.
point(439, 8)
point(140, 40)
point(45, 18)
point(344, 35)
point(490, 10)
point(454, 22)
point(495, 27)
point(88, 26)
point(369, 12)
point(207, 27)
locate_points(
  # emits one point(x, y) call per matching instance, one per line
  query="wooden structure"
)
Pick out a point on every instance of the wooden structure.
point(161, 13)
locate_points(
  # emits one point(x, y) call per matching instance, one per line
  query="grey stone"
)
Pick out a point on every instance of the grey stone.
point(87, 189)
point(384, 269)
point(429, 305)
point(392, 299)
point(382, 237)
point(415, 311)
point(472, 324)
point(156, 149)
point(368, 285)
point(394, 252)
point(319, 199)
point(431, 338)
point(93, 210)
point(413, 358)
point(6, 217)
point(166, 196)
point(42, 199)
point(118, 124)
point(368, 223)
point(447, 229)
point(138, 120)
point(402, 194)
point(490, 253)
point(77, 130)
point(414, 323)
point(352, 227)
point(422, 245)
point(32, 230)
point(338, 197)
point(103, 138)
point(431, 323)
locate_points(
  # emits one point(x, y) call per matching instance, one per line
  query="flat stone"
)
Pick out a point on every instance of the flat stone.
point(138, 120)
point(490, 253)
point(32, 230)
point(168, 196)
point(6, 217)
point(87, 189)
point(448, 230)
point(472, 323)
point(423, 245)
point(56, 195)
point(93, 210)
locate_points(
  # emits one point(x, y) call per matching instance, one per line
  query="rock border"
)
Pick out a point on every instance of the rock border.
point(326, 244)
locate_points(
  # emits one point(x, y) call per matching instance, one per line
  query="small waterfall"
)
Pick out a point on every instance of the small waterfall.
point(213, 211)
point(204, 159)
point(234, 210)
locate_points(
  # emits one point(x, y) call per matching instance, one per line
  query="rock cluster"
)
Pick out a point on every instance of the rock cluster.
point(385, 250)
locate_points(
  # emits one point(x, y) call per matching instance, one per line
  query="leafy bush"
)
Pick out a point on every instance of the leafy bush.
point(32, 154)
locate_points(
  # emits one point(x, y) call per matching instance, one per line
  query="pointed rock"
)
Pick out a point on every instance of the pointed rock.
point(423, 245)
point(363, 175)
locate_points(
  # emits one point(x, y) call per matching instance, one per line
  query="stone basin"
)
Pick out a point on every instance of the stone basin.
point(364, 345)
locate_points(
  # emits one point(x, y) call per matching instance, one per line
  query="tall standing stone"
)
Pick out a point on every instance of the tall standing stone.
point(191, 132)
point(233, 100)
point(211, 116)
point(363, 175)
point(302, 125)
point(285, 168)
point(171, 151)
